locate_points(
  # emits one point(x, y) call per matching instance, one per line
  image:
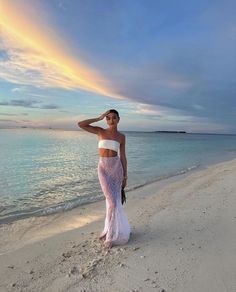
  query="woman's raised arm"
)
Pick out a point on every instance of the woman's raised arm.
point(85, 124)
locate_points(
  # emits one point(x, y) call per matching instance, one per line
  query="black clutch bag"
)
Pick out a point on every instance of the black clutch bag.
point(123, 196)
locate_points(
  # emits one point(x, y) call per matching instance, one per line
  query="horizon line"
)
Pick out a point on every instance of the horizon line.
point(141, 131)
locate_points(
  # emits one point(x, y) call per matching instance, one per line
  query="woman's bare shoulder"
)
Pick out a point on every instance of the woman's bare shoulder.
point(122, 137)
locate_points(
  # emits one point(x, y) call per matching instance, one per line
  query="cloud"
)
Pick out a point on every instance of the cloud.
point(28, 104)
point(19, 102)
point(163, 114)
point(19, 89)
point(8, 121)
point(10, 114)
point(7, 114)
point(35, 56)
point(198, 107)
point(66, 111)
point(148, 110)
point(49, 106)
point(61, 4)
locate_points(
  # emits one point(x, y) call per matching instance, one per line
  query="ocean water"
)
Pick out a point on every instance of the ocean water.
point(48, 171)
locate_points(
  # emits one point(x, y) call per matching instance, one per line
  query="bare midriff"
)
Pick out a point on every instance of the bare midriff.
point(107, 152)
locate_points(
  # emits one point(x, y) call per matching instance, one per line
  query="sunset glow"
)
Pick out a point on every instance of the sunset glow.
point(162, 66)
point(36, 50)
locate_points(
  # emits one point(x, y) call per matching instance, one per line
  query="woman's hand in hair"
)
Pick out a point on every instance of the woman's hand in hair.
point(101, 117)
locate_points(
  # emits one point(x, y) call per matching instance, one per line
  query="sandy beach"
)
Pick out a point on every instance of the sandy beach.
point(183, 240)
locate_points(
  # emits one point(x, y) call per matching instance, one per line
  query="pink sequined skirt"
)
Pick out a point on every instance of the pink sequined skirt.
point(110, 174)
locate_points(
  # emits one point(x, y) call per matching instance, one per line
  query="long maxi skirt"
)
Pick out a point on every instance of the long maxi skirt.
point(110, 174)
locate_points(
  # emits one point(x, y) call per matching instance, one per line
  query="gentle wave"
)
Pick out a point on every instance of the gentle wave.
point(182, 171)
point(66, 206)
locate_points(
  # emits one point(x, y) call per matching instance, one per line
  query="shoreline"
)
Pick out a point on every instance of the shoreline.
point(176, 225)
point(44, 213)
point(23, 225)
point(63, 206)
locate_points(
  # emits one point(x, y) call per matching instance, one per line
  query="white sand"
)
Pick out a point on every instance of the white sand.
point(183, 240)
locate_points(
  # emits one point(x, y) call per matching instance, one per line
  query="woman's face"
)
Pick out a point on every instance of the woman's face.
point(112, 119)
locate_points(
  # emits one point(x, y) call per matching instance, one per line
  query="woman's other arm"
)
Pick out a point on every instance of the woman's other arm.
point(123, 161)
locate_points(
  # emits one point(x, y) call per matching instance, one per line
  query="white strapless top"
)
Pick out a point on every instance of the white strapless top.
point(109, 144)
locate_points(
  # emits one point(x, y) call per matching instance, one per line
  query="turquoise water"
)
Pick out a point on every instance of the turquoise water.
point(48, 171)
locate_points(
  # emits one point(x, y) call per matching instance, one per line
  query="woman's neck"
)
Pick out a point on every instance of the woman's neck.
point(113, 130)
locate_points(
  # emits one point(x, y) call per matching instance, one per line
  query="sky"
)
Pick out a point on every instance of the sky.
point(164, 65)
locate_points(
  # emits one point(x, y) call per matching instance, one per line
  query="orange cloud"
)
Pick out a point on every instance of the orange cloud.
point(36, 57)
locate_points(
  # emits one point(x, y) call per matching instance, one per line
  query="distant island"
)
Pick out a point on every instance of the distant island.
point(179, 132)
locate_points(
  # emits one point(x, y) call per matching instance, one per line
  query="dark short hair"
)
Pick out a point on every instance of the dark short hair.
point(114, 111)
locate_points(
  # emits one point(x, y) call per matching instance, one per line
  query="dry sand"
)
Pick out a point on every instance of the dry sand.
point(183, 240)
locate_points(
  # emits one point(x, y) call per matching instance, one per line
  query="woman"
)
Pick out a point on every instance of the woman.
point(112, 174)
